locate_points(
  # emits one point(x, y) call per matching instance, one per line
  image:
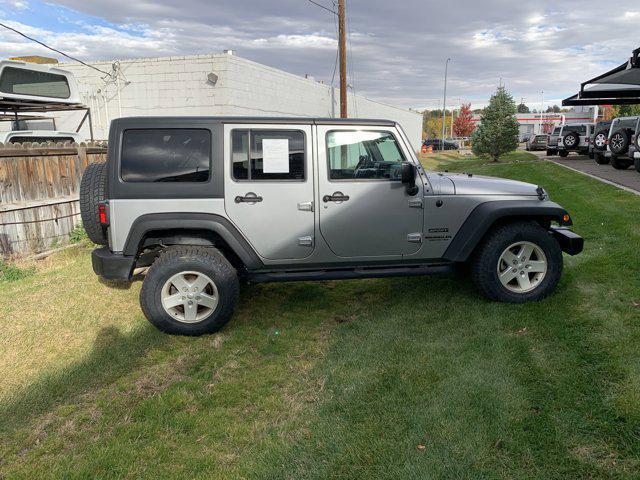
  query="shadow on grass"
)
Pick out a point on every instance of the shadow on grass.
point(113, 355)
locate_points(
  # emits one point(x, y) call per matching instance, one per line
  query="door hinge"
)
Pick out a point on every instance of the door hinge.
point(305, 207)
point(414, 238)
point(305, 241)
point(416, 203)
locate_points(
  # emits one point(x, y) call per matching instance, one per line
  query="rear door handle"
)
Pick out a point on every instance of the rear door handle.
point(248, 198)
point(336, 197)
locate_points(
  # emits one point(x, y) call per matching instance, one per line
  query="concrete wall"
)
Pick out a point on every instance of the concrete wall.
point(179, 86)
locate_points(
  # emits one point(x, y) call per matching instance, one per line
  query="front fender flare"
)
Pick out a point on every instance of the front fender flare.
point(487, 214)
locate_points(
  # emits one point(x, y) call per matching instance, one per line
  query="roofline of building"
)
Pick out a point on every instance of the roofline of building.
point(236, 58)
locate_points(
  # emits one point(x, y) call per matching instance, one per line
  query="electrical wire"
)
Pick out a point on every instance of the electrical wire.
point(53, 49)
point(322, 6)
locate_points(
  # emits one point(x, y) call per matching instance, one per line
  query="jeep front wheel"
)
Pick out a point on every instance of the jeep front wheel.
point(190, 291)
point(517, 262)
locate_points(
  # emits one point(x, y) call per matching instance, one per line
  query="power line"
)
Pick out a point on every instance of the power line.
point(53, 49)
point(322, 6)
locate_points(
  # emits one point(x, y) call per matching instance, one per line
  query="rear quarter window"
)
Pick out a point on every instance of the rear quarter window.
point(166, 155)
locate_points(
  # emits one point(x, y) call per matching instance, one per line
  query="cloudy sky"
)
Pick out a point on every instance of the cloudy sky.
point(397, 49)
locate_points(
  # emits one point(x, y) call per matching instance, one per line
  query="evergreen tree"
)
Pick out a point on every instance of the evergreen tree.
point(522, 108)
point(497, 133)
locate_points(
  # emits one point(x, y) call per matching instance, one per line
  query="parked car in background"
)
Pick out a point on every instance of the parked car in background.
point(345, 199)
point(40, 136)
point(575, 137)
point(552, 142)
point(537, 142)
point(436, 143)
point(598, 143)
point(620, 139)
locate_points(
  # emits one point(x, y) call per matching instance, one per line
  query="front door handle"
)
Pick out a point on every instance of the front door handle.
point(336, 197)
point(248, 198)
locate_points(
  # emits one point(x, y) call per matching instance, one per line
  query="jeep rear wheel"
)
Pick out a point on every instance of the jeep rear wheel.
point(517, 262)
point(601, 159)
point(620, 163)
point(563, 153)
point(190, 291)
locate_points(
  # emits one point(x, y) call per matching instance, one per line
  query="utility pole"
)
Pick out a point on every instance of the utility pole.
point(342, 46)
point(444, 104)
point(541, 111)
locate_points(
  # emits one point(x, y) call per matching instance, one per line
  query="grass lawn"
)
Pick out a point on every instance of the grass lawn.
point(411, 378)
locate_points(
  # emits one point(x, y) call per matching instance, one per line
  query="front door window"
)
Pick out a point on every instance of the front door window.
point(364, 155)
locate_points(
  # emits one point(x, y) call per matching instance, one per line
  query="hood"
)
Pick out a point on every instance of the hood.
point(466, 184)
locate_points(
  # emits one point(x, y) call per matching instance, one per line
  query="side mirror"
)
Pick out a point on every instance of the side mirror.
point(409, 177)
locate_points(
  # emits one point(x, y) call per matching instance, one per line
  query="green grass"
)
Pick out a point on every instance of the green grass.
point(393, 378)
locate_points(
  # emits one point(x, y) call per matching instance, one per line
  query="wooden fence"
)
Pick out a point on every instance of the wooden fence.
point(39, 185)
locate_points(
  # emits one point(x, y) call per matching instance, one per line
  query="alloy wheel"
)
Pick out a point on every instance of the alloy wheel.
point(522, 267)
point(189, 297)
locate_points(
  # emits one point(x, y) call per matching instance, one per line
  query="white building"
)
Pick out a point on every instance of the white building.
point(214, 84)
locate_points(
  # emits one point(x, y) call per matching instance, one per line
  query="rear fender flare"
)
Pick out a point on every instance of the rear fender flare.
point(191, 221)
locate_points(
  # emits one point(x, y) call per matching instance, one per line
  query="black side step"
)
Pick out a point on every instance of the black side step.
point(343, 274)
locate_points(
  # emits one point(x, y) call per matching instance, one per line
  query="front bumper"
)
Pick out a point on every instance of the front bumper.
point(570, 242)
point(112, 266)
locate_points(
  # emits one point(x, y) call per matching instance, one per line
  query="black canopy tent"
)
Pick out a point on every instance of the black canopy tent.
point(620, 86)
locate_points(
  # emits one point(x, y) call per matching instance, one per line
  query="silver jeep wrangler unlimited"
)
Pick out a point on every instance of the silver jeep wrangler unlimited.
point(201, 203)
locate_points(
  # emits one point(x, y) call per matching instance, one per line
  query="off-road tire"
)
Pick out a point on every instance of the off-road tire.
point(621, 163)
point(563, 153)
point(484, 266)
point(207, 261)
point(636, 163)
point(571, 140)
point(600, 140)
point(619, 142)
point(93, 190)
point(601, 159)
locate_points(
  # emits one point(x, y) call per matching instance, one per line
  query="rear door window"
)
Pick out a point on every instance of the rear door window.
point(263, 155)
point(165, 155)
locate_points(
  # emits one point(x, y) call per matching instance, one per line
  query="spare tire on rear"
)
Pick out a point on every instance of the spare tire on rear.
point(571, 140)
point(619, 142)
point(93, 190)
point(600, 140)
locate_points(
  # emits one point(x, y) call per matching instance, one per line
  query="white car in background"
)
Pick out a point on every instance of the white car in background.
point(40, 136)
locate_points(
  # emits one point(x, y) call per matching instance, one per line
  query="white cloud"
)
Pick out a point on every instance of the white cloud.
point(398, 54)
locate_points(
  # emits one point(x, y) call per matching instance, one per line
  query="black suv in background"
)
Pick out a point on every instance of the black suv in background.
point(436, 143)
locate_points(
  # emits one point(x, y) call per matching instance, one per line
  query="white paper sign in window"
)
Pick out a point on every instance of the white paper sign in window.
point(275, 155)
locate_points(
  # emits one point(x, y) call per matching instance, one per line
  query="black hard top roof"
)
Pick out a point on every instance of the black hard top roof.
point(261, 120)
